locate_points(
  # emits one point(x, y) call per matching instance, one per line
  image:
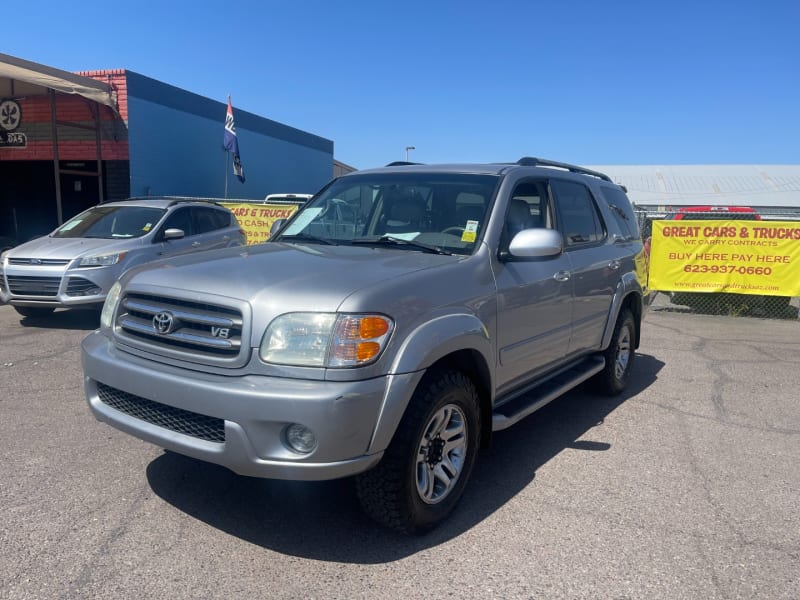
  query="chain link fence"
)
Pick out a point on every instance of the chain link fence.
point(719, 303)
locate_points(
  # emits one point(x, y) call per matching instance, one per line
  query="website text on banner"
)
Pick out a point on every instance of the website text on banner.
point(726, 256)
point(256, 219)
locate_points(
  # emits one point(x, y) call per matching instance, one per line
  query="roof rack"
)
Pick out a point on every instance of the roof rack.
point(173, 200)
point(530, 161)
point(401, 163)
point(186, 200)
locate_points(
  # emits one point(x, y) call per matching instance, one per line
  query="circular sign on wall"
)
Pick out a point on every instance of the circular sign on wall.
point(10, 115)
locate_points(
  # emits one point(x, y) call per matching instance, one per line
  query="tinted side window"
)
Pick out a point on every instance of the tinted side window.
point(580, 221)
point(180, 219)
point(528, 208)
point(622, 210)
point(209, 219)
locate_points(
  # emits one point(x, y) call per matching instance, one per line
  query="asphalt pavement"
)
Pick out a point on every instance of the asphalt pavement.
point(686, 486)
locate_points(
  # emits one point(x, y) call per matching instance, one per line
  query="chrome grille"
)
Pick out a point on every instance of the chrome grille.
point(39, 262)
point(182, 421)
point(204, 329)
point(26, 285)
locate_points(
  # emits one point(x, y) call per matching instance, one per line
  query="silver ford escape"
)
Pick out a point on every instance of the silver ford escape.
point(77, 264)
point(389, 328)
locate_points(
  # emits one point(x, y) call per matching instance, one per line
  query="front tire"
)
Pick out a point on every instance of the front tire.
point(427, 465)
point(619, 355)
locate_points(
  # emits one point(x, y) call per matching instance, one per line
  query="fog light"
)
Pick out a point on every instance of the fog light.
point(300, 438)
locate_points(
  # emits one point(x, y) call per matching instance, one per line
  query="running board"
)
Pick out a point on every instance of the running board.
point(536, 397)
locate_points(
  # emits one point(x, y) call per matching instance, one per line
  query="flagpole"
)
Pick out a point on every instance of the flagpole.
point(227, 160)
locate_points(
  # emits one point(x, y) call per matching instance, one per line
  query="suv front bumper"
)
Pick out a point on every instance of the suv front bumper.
point(254, 411)
point(55, 287)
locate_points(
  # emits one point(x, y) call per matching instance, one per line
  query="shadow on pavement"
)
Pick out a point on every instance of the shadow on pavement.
point(323, 520)
point(79, 319)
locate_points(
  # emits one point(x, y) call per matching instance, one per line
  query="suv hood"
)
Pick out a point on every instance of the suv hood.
point(277, 275)
point(70, 248)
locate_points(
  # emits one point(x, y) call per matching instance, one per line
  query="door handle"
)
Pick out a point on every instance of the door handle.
point(613, 265)
point(562, 276)
point(195, 244)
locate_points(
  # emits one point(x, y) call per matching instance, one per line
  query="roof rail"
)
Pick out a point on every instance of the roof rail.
point(172, 199)
point(530, 161)
point(197, 200)
point(401, 163)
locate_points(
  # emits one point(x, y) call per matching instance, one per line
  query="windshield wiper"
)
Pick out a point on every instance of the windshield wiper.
point(388, 240)
point(304, 237)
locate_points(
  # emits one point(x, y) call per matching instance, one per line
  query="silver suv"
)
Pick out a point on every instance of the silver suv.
point(392, 325)
point(77, 264)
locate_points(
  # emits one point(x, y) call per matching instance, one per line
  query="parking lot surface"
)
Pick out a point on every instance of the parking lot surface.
point(687, 486)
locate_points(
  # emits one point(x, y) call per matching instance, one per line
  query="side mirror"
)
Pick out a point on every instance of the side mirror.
point(174, 234)
point(276, 227)
point(536, 243)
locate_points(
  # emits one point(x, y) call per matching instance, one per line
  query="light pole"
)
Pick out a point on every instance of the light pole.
point(407, 149)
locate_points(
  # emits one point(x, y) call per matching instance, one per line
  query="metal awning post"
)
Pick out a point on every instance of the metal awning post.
point(56, 169)
point(98, 137)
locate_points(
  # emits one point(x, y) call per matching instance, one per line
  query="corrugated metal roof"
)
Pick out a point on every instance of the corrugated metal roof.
point(776, 186)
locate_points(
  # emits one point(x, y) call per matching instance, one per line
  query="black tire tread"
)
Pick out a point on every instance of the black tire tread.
point(606, 381)
point(382, 490)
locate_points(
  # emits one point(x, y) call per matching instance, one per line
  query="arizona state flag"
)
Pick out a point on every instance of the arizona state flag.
point(232, 143)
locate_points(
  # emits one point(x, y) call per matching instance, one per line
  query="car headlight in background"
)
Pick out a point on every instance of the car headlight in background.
point(325, 339)
point(103, 260)
point(110, 305)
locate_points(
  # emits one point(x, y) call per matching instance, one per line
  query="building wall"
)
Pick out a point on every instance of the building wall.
point(28, 192)
point(175, 144)
point(159, 139)
point(73, 143)
point(339, 168)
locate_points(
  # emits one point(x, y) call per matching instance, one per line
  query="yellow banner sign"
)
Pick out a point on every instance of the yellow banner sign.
point(256, 219)
point(757, 257)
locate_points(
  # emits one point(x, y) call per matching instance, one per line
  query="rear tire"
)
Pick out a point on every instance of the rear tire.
point(619, 355)
point(34, 311)
point(427, 465)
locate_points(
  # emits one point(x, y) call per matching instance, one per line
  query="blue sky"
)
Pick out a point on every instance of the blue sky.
point(585, 82)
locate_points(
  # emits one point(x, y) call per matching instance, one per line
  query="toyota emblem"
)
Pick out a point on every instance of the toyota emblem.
point(163, 323)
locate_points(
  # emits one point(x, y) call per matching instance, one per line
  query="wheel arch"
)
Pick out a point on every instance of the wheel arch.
point(474, 366)
point(630, 299)
point(459, 342)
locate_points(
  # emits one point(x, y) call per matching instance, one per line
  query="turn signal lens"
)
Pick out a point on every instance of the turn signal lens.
point(359, 339)
point(373, 327)
point(366, 351)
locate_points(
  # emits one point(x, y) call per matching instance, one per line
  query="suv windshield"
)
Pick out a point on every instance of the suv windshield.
point(442, 211)
point(111, 222)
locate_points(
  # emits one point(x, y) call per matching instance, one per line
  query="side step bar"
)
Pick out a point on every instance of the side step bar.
point(532, 399)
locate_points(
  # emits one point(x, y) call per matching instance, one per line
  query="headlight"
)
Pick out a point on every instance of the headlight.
point(104, 260)
point(325, 339)
point(110, 305)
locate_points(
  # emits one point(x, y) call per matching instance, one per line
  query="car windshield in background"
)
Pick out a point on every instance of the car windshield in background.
point(111, 222)
point(442, 211)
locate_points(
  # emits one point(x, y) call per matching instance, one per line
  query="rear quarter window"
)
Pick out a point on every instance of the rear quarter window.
point(622, 211)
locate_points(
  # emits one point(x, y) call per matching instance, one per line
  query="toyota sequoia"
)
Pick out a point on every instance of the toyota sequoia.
point(388, 328)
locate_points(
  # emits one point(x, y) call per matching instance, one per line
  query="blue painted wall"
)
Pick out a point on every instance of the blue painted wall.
point(176, 147)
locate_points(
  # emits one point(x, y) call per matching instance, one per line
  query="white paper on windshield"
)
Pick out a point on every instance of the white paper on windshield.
point(304, 219)
point(70, 225)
